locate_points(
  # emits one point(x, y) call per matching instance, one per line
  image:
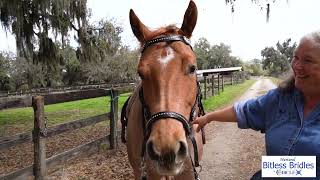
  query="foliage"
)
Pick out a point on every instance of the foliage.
point(99, 41)
point(202, 51)
point(31, 21)
point(5, 61)
point(34, 21)
point(277, 61)
point(71, 70)
point(254, 67)
point(118, 68)
point(44, 55)
point(286, 48)
point(216, 56)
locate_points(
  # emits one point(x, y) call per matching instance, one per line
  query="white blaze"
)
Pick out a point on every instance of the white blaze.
point(168, 57)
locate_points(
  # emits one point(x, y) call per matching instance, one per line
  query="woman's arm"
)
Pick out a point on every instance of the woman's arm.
point(226, 114)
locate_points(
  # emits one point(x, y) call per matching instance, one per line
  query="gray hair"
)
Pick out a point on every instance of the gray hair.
point(288, 83)
point(313, 36)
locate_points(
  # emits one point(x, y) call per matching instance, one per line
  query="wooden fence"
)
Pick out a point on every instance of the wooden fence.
point(213, 84)
point(43, 91)
point(41, 132)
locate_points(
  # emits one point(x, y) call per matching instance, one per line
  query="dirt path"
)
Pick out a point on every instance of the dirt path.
point(232, 153)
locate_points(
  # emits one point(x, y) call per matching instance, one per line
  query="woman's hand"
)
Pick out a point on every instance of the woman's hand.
point(201, 121)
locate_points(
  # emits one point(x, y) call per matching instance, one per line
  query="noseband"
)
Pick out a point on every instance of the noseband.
point(150, 119)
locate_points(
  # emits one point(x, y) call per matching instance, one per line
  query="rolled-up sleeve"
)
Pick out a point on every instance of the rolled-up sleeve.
point(253, 113)
point(242, 121)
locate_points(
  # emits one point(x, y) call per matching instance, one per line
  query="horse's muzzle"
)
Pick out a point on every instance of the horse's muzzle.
point(168, 161)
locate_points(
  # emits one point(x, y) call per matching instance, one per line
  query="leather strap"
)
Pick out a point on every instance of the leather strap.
point(166, 39)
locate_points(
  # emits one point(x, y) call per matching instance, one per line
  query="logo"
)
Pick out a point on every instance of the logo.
point(288, 166)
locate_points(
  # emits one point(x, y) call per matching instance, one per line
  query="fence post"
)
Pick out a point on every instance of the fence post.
point(218, 83)
point(39, 132)
point(231, 78)
point(113, 118)
point(212, 85)
point(222, 82)
point(205, 87)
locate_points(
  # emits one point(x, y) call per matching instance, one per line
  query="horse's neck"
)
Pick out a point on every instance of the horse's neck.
point(134, 100)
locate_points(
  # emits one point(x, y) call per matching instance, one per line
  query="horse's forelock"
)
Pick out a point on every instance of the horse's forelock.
point(167, 30)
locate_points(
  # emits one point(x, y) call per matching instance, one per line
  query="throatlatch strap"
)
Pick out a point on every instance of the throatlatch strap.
point(124, 120)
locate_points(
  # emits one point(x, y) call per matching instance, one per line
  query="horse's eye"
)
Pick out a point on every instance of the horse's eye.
point(192, 69)
point(140, 75)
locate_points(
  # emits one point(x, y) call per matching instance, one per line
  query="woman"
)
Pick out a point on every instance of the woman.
point(288, 115)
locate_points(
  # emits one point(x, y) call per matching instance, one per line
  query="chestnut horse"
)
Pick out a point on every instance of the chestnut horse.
point(161, 141)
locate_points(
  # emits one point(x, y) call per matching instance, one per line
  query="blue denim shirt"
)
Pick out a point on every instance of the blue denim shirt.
point(280, 116)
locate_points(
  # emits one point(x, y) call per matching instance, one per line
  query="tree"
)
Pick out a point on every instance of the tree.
point(71, 70)
point(34, 21)
point(216, 56)
point(202, 51)
point(254, 67)
point(273, 61)
point(118, 68)
point(220, 56)
point(31, 21)
point(277, 61)
point(235, 61)
point(5, 60)
point(41, 30)
point(101, 40)
point(286, 48)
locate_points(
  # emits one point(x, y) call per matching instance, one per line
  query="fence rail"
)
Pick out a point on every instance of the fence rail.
point(7, 142)
point(53, 161)
point(43, 91)
point(26, 100)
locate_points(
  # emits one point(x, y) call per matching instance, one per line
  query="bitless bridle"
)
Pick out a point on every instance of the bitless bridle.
point(150, 119)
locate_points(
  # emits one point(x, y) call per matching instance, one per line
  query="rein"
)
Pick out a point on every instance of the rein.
point(149, 119)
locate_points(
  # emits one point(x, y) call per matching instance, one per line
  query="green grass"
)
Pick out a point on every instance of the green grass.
point(20, 120)
point(226, 97)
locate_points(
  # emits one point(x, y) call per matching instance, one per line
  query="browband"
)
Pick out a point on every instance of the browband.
point(166, 39)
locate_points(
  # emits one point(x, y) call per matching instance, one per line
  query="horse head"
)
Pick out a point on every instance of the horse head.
point(167, 69)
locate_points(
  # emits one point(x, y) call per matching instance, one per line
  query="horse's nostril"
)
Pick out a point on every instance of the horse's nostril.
point(182, 149)
point(150, 150)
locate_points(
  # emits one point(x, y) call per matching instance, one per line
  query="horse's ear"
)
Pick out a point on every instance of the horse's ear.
point(138, 28)
point(190, 19)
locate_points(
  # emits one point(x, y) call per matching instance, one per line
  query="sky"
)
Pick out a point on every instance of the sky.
point(245, 30)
